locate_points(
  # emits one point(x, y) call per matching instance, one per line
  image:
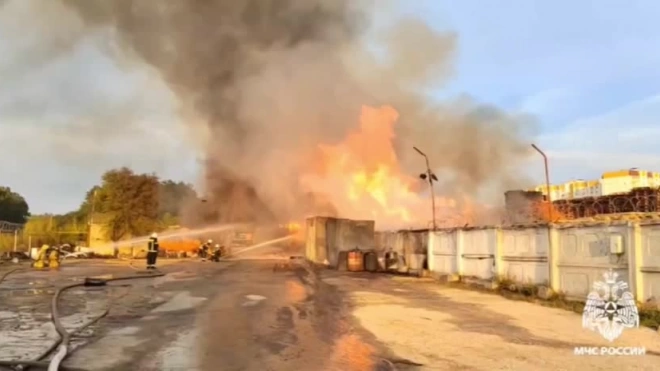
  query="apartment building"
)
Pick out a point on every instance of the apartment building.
point(613, 182)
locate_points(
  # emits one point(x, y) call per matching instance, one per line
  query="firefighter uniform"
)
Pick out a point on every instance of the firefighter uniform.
point(152, 251)
point(204, 249)
point(215, 256)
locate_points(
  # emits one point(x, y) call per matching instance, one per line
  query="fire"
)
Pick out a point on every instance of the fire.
point(543, 210)
point(364, 180)
point(292, 227)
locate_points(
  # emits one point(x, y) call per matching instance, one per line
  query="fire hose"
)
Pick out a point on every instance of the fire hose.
point(62, 343)
point(4, 275)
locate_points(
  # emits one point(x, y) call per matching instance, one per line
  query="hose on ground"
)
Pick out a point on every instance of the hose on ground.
point(62, 343)
point(63, 350)
point(6, 274)
point(39, 361)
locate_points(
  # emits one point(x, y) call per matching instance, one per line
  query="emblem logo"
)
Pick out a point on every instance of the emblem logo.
point(610, 307)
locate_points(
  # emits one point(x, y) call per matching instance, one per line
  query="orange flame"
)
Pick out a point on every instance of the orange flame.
point(549, 213)
point(363, 178)
point(292, 227)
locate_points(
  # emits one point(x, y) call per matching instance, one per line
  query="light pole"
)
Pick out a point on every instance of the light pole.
point(431, 177)
point(547, 181)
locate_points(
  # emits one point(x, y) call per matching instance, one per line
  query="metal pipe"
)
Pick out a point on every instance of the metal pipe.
point(547, 181)
point(429, 174)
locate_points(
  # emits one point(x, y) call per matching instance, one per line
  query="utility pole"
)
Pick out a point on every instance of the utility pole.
point(547, 181)
point(15, 239)
point(430, 177)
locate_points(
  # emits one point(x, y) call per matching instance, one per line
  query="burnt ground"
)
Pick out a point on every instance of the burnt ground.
point(280, 315)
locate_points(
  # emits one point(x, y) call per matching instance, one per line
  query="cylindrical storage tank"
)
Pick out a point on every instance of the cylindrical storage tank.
point(355, 261)
point(371, 262)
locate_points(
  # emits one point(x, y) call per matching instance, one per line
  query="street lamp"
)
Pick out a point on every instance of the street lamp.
point(547, 181)
point(430, 177)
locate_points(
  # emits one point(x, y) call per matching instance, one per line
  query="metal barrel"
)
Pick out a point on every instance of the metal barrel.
point(355, 261)
point(371, 262)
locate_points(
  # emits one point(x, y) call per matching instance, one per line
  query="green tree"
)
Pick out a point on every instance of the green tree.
point(88, 204)
point(13, 207)
point(173, 197)
point(131, 202)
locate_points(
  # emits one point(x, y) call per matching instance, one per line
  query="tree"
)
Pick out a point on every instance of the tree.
point(13, 207)
point(85, 209)
point(130, 201)
point(173, 197)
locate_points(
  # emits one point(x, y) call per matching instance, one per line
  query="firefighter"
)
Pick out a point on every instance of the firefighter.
point(204, 249)
point(152, 252)
point(216, 253)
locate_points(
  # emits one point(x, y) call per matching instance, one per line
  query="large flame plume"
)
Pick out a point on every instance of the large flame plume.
point(364, 179)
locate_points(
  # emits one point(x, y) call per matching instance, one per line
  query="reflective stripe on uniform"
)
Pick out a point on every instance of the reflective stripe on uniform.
point(153, 245)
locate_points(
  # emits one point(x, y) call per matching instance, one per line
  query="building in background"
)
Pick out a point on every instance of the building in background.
point(613, 182)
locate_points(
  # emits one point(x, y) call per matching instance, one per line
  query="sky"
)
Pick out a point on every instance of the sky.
point(586, 70)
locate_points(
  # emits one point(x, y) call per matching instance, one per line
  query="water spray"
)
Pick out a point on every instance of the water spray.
point(262, 244)
point(188, 233)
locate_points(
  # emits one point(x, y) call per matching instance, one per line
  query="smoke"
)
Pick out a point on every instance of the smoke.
point(262, 82)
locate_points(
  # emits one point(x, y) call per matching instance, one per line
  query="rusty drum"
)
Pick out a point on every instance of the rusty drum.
point(355, 261)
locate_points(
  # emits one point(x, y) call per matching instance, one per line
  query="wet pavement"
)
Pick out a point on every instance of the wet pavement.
point(236, 315)
point(281, 315)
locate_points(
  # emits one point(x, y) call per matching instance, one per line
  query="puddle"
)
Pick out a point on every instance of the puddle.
point(103, 277)
point(253, 300)
point(295, 291)
point(112, 347)
point(179, 355)
point(7, 315)
point(255, 297)
point(351, 353)
point(174, 277)
point(332, 281)
point(130, 330)
point(181, 301)
point(25, 292)
point(24, 334)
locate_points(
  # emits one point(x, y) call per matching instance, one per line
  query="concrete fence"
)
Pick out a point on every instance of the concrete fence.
point(327, 237)
point(567, 258)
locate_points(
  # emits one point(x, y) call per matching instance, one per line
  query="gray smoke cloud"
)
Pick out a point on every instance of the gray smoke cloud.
point(262, 82)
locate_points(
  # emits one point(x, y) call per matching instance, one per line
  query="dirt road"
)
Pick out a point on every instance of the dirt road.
point(440, 328)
